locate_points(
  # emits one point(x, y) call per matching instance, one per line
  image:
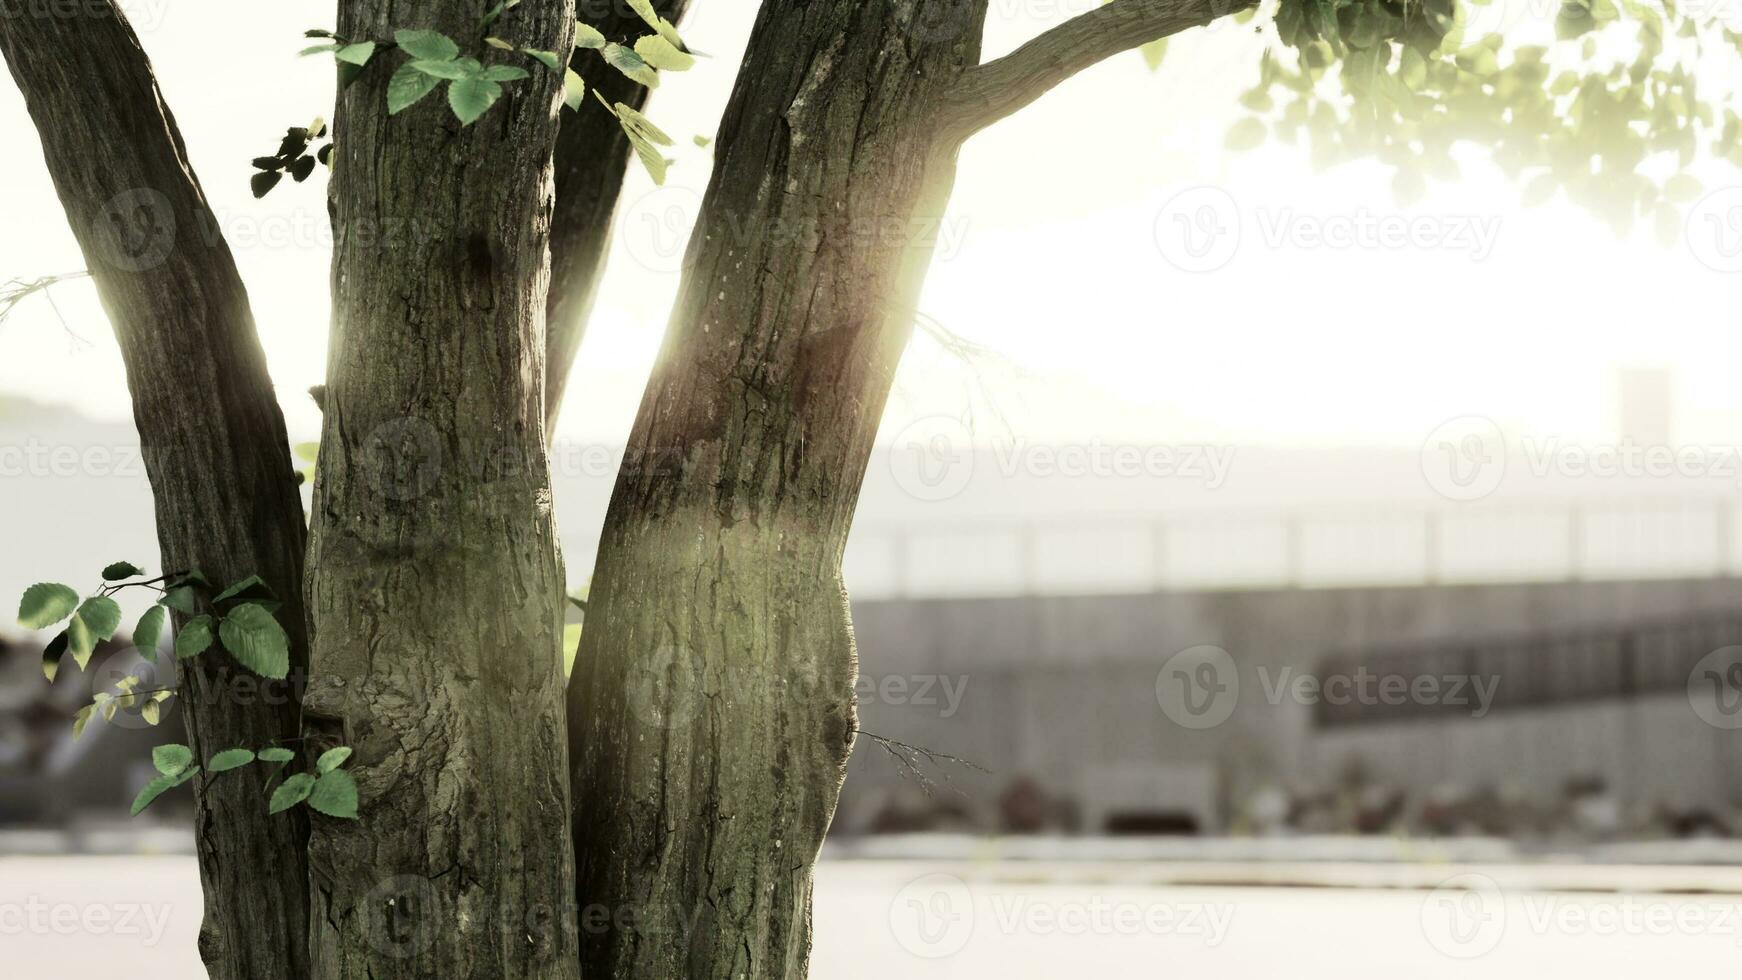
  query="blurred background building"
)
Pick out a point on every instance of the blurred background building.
point(1137, 640)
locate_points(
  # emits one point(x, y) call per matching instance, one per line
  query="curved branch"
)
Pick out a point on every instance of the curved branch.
point(1003, 87)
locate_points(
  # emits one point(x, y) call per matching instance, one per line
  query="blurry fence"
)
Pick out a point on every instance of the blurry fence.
point(1105, 553)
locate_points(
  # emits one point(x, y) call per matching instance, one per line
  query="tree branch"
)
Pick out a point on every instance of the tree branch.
point(1003, 87)
point(592, 156)
point(210, 431)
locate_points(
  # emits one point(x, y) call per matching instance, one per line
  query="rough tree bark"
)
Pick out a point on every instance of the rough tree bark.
point(592, 155)
point(213, 439)
point(435, 585)
point(711, 709)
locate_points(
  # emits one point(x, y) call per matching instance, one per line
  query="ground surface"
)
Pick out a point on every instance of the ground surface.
point(71, 918)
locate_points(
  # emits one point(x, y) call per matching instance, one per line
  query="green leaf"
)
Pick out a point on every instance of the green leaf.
point(250, 589)
point(1682, 188)
point(181, 599)
point(472, 97)
point(651, 158)
point(505, 73)
point(452, 70)
point(317, 49)
point(498, 44)
point(256, 640)
point(148, 632)
point(82, 719)
point(545, 58)
point(121, 570)
point(426, 45)
point(640, 125)
point(407, 86)
point(195, 578)
point(662, 54)
point(275, 754)
point(195, 638)
point(172, 758)
point(332, 759)
point(81, 642)
point(588, 37)
point(158, 786)
point(644, 9)
point(1245, 135)
point(261, 183)
point(291, 792)
point(356, 54)
point(102, 614)
point(631, 65)
point(348, 73)
point(574, 89)
point(51, 655)
point(230, 759)
point(496, 11)
point(335, 794)
point(1153, 53)
point(151, 712)
point(45, 604)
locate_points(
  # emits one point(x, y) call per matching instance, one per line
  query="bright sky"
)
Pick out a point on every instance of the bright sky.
point(1065, 251)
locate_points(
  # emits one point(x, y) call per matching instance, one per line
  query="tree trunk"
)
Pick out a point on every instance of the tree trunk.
point(213, 439)
point(711, 711)
point(592, 156)
point(435, 585)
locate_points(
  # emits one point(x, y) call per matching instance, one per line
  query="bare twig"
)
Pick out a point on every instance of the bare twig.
point(15, 291)
point(909, 760)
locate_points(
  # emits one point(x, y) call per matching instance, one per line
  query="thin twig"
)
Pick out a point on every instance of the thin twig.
point(15, 291)
point(908, 759)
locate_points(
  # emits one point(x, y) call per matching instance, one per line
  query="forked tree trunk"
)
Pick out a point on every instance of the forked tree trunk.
point(711, 711)
point(592, 156)
point(213, 440)
point(435, 585)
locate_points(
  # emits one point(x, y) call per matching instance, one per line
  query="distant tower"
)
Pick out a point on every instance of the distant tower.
point(1645, 406)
